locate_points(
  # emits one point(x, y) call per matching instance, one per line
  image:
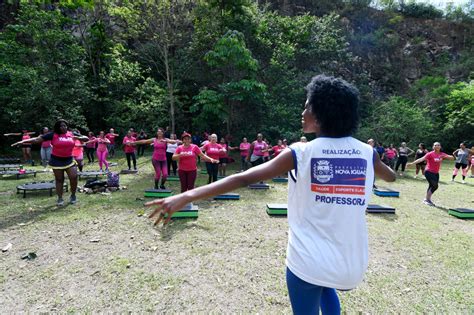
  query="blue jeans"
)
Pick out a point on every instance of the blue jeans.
point(307, 298)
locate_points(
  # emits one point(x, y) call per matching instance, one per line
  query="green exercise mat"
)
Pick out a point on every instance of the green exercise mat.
point(158, 193)
point(277, 208)
point(462, 213)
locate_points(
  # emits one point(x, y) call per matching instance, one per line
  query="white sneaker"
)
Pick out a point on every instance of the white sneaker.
point(415, 177)
point(463, 181)
point(428, 202)
point(452, 179)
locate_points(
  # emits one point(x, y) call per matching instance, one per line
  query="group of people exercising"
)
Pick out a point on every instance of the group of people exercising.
point(427, 162)
point(330, 184)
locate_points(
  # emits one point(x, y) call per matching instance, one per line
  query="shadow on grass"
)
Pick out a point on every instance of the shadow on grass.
point(27, 216)
point(386, 216)
point(177, 226)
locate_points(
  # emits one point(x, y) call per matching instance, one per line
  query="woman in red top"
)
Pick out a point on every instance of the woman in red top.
point(46, 148)
point(102, 150)
point(129, 149)
point(61, 158)
point(257, 151)
point(78, 151)
point(213, 150)
point(244, 152)
point(224, 158)
point(276, 149)
point(187, 154)
point(26, 147)
point(90, 147)
point(159, 156)
point(433, 159)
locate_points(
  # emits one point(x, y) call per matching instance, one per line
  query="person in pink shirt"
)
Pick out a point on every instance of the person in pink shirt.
point(224, 158)
point(213, 150)
point(102, 151)
point(46, 148)
point(61, 160)
point(257, 151)
point(159, 156)
point(433, 164)
point(111, 146)
point(26, 147)
point(186, 155)
point(391, 155)
point(78, 151)
point(90, 147)
point(244, 152)
point(129, 149)
point(276, 149)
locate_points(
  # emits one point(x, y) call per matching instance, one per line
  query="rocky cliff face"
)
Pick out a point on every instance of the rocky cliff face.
point(392, 51)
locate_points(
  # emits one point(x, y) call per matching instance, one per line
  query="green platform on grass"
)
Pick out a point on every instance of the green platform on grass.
point(203, 172)
point(173, 178)
point(280, 179)
point(158, 193)
point(277, 209)
point(190, 212)
point(462, 213)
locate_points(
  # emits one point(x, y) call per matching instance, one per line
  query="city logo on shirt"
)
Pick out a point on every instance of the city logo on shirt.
point(338, 176)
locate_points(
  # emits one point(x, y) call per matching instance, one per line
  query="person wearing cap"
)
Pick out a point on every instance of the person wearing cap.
point(186, 155)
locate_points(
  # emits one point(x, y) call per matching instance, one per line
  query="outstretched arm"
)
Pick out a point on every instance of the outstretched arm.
point(144, 141)
point(208, 159)
point(383, 171)
point(423, 158)
point(29, 141)
point(282, 163)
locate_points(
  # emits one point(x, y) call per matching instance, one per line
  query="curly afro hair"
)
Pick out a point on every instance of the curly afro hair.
point(334, 103)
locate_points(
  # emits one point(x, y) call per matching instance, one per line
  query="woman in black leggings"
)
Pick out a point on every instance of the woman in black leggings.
point(403, 153)
point(433, 159)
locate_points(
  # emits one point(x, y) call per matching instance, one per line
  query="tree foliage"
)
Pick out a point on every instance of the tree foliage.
point(235, 67)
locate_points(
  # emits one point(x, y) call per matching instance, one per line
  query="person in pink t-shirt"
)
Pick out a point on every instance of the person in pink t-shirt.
point(102, 150)
point(244, 152)
point(78, 151)
point(25, 148)
point(129, 149)
point(90, 147)
point(257, 151)
point(111, 146)
point(187, 154)
point(391, 155)
point(213, 150)
point(276, 149)
point(46, 148)
point(433, 164)
point(159, 156)
point(224, 158)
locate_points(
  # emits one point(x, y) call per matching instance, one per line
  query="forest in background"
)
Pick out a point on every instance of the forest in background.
point(236, 67)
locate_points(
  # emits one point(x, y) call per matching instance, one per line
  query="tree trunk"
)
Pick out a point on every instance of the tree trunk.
point(170, 85)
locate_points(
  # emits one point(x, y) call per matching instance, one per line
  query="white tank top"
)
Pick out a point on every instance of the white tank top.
point(329, 191)
point(171, 147)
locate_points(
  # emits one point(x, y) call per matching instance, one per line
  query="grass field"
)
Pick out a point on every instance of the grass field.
point(104, 255)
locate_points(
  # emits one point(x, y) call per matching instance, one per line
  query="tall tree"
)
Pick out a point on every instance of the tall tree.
point(167, 32)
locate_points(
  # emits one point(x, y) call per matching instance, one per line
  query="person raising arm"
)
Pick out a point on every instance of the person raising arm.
point(328, 241)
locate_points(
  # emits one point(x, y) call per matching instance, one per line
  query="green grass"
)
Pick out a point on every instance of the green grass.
point(232, 259)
